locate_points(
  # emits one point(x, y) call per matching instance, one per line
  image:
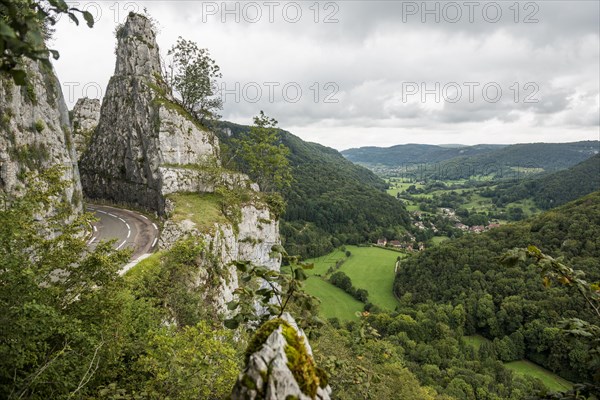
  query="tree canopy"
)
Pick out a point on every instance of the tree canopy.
point(193, 75)
point(263, 156)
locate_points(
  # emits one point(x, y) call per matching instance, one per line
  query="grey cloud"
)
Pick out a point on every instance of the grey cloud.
point(368, 55)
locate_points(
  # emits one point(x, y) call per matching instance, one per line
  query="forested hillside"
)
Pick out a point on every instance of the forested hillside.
point(413, 153)
point(554, 189)
point(549, 156)
point(331, 201)
point(495, 161)
point(510, 305)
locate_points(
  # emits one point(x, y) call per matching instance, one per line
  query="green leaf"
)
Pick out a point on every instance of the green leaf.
point(89, 18)
point(74, 18)
point(7, 31)
point(300, 275)
point(241, 265)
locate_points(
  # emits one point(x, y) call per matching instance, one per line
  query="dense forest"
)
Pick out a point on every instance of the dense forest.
point(331, 201)
point(551, 190)
point(510, 305)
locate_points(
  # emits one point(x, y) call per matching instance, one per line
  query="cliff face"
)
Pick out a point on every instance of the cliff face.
point(35, 131)
point(250, 240)
point(84, 120)
point(141, 132)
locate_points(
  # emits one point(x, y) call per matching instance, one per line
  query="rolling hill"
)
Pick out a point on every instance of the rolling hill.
point(512, 305)
point(554, 189)
point(481, 160)
point(400, 155)
point(331, 201)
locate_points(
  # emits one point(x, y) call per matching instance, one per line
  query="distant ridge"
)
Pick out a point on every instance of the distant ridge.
point(553, 189)
point(546, 156)
point(414, 153)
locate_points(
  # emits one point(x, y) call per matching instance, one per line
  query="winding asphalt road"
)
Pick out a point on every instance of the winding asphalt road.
point(129, 228)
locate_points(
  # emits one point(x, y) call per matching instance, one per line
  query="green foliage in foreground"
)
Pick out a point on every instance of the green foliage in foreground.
point(71, 327)
point(24, 27)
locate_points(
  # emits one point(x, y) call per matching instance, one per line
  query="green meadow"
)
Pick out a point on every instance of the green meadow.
point(369, 268)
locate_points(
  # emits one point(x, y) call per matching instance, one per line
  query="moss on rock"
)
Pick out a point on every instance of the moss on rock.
point(300, 362)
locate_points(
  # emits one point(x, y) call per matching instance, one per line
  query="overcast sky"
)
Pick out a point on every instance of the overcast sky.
point(358, 73)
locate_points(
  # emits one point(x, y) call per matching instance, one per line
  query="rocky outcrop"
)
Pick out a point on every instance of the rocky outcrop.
point(250, 240)
point(141, 130)
point(84, 120)
point(35, 131)
point(190, 179)
point(146, 148)
point(280, 365)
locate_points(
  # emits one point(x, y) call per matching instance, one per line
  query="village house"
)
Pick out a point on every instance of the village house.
point(447, 211)
point(461, 226)
point(419, 225)
point(381, 242)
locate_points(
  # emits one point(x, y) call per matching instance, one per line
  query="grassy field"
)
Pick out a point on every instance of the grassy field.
point(369, 268)
point(525, 367)
point(372, 269)
point(396, 185)
point(439, 239)
point(335, 303)
point(550, 380)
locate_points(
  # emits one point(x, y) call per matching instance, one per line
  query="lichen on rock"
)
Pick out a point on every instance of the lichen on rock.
point(280, 365)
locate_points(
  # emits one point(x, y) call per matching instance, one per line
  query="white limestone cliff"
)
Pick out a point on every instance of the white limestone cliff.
point(146, 147)
point(84, 120)
point(35, 132)
point(141, 128)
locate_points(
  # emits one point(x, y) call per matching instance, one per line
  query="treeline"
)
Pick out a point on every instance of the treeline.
point(506, 304)
point(331, 201)
point(344, 282)
point(551, 190)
